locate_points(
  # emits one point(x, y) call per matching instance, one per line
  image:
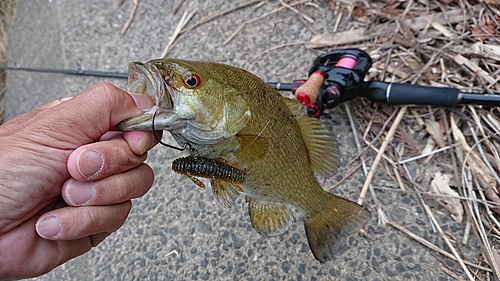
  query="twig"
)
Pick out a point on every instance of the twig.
point(250, 21)
point(174, 10)
point(488, 210)
point(234, 33)
point(378, 151)
point(219, 14)
point(447, 241)
point(414, 185)
point(396, 173)
point(271, 49)
point(434, 247)
point(466, 232)
point(382, 218)
point(130, 17)
point(382, 130)
point(184, 20)
point(482, 232)
point(388, 138)
point(296, 11)
point(426, 154)
point(345, 177)
point(398, 179)
point(479, 146)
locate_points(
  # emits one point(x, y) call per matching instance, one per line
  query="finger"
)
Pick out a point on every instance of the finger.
point(92, 113)
point(25, 255)
point(142, 101)
point(101, 159)
point(140, 142)
point(72, 223)
point(17, 123)
point(96, 239)
point(111, 190)
point(111, 135)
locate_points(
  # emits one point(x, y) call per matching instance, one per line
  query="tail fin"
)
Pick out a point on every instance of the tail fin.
point(327, 229)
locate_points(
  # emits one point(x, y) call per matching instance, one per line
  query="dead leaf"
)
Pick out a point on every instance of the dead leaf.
point(443, 30)
point(461, 60)
point(492, 3)
point(358, 12)
point(434, 129)
point(414, 64)
point(489, 192)
point(494, 121)
point(441, 185)
point(482, 31)
point(429, 146)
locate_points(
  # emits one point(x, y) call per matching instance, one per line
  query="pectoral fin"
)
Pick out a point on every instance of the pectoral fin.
point(269, 218)
point(324, 154)
point(196, 181)
point(225, 193)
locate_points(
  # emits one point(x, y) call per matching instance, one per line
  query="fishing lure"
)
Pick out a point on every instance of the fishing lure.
point(198, 166)
point(215, 169)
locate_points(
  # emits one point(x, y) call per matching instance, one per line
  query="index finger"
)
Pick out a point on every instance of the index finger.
point(83, 119)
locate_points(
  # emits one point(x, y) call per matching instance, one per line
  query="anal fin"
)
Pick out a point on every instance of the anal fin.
point(225, 193)
point(269, 218)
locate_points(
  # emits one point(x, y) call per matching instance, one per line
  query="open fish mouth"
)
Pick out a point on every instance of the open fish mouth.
point(145, 78)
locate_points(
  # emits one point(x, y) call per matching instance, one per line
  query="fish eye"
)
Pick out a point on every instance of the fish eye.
point(192, 80)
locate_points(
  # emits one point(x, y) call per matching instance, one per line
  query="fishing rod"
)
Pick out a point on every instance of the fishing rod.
point(336, 77)
point(78, 71)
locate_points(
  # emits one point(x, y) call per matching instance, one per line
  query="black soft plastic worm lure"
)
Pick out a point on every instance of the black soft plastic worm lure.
point(217, 169)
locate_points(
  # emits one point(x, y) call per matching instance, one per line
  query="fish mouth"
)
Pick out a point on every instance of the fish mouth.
point(145, 78)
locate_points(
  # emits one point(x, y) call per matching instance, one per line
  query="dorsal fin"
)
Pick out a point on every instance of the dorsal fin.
point(293, 105)
point(324, 154)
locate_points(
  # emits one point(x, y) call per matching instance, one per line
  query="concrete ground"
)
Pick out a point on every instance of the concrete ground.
point(177, 231)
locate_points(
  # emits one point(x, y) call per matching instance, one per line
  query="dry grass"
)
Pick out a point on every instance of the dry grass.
point(7, 13)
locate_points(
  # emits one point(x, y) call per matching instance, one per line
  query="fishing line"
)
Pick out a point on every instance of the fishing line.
point(186, 145)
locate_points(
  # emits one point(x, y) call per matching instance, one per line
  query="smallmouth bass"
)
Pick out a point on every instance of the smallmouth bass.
point(227, 113)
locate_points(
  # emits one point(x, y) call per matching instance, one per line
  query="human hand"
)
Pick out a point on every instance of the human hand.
point(66, 180)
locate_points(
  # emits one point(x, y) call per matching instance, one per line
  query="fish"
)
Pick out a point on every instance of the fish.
point(225, 112)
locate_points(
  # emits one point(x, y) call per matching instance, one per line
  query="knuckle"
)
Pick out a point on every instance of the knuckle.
point(109, 94)
point(121, 188)
point(90, 218)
